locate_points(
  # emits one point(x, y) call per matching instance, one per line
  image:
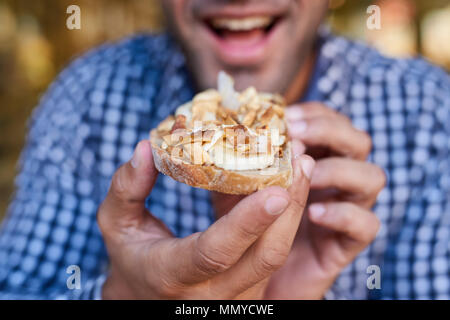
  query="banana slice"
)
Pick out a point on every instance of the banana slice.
point(230, 159)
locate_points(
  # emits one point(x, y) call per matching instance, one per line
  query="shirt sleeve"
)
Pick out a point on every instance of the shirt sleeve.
point(50, 230)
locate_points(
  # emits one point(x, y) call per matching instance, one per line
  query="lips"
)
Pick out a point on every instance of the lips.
point(242, 24)
point(241, 40)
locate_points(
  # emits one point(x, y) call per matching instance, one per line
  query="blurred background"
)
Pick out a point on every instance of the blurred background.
point(35, 45)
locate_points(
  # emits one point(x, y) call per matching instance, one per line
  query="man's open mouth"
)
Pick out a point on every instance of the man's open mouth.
point(242, 27)
point(242, 39)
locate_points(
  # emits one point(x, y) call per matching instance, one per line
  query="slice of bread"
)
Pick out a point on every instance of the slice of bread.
point(217, 179)
point(226, 141)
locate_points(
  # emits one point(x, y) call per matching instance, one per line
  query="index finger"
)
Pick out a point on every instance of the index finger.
point(270, 251)
point(310, 109)
point(203, 255)
point(334, 134)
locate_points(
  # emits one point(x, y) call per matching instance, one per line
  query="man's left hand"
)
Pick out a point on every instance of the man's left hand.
point(339, 223)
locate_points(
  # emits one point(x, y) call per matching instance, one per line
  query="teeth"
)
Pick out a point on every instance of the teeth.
point(242, 24)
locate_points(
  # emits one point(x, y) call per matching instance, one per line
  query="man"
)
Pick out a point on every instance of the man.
point(262, 245)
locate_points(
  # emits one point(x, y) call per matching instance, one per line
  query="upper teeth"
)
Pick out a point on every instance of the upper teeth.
point(242, 24)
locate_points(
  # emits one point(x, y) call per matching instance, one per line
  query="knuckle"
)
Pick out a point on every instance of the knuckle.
point(103, 221)
point(248, 232)
point(318, 128)
point(367, 141)
point(308, 107)
point(211, 260)
point(327, 167)
point(298, 202)
point(321, 123)
point(371, 228)
point(346, 213)
point(323, 108)
point(379, 178)
point(376, 225)
point(366, 145)
point(273, 257)
point(118, 184)
point(158, 279)
point(121, 184)
point(168, 289)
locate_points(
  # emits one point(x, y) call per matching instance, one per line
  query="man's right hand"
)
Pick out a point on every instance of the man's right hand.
point(234, 255)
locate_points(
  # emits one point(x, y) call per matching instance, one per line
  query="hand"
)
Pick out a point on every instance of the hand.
point(233, 258)
point(343, 189)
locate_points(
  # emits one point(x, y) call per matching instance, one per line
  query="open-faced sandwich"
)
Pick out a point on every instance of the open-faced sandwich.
point(226, 141)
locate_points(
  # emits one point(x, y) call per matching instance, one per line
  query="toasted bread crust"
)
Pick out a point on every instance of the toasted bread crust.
point(217, 179)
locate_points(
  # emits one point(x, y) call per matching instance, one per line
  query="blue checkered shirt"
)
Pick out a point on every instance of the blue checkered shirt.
point(98, 108)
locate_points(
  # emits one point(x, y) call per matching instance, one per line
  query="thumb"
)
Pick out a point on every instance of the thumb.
point(271, 249)
point(131, 184)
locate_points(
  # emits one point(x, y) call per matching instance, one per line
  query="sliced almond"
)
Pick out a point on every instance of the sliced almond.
point(204, 111)
point(166, 125)
point(221, 114)
point(176, 152)
point(232, 113)
point(229, 121)
point(195, 153)
point(238, 137)
point(247, 95)
point(249, 100)
point(272, 98)
point(280, 152)
point(185, 110)
point(210, 95)
point(225, 85)
point(249, 118)
point(203, 118)
point(204, 106)
point(211, 125)
point(264, 144)
point(175, 137)
point(253, 145)
point(181, 137)
point(218, 135)
point(277, 123)
point(278, 140)
point(279, 110)
point(226, 116)
point(265, 116)
point(180, 123)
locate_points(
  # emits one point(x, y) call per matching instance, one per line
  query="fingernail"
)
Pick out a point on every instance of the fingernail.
point(308, 167)
point(276, 205)
point(135, 159)
point(294, 114)
point(298, 148)
point(317, 210)
point(296, 129)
